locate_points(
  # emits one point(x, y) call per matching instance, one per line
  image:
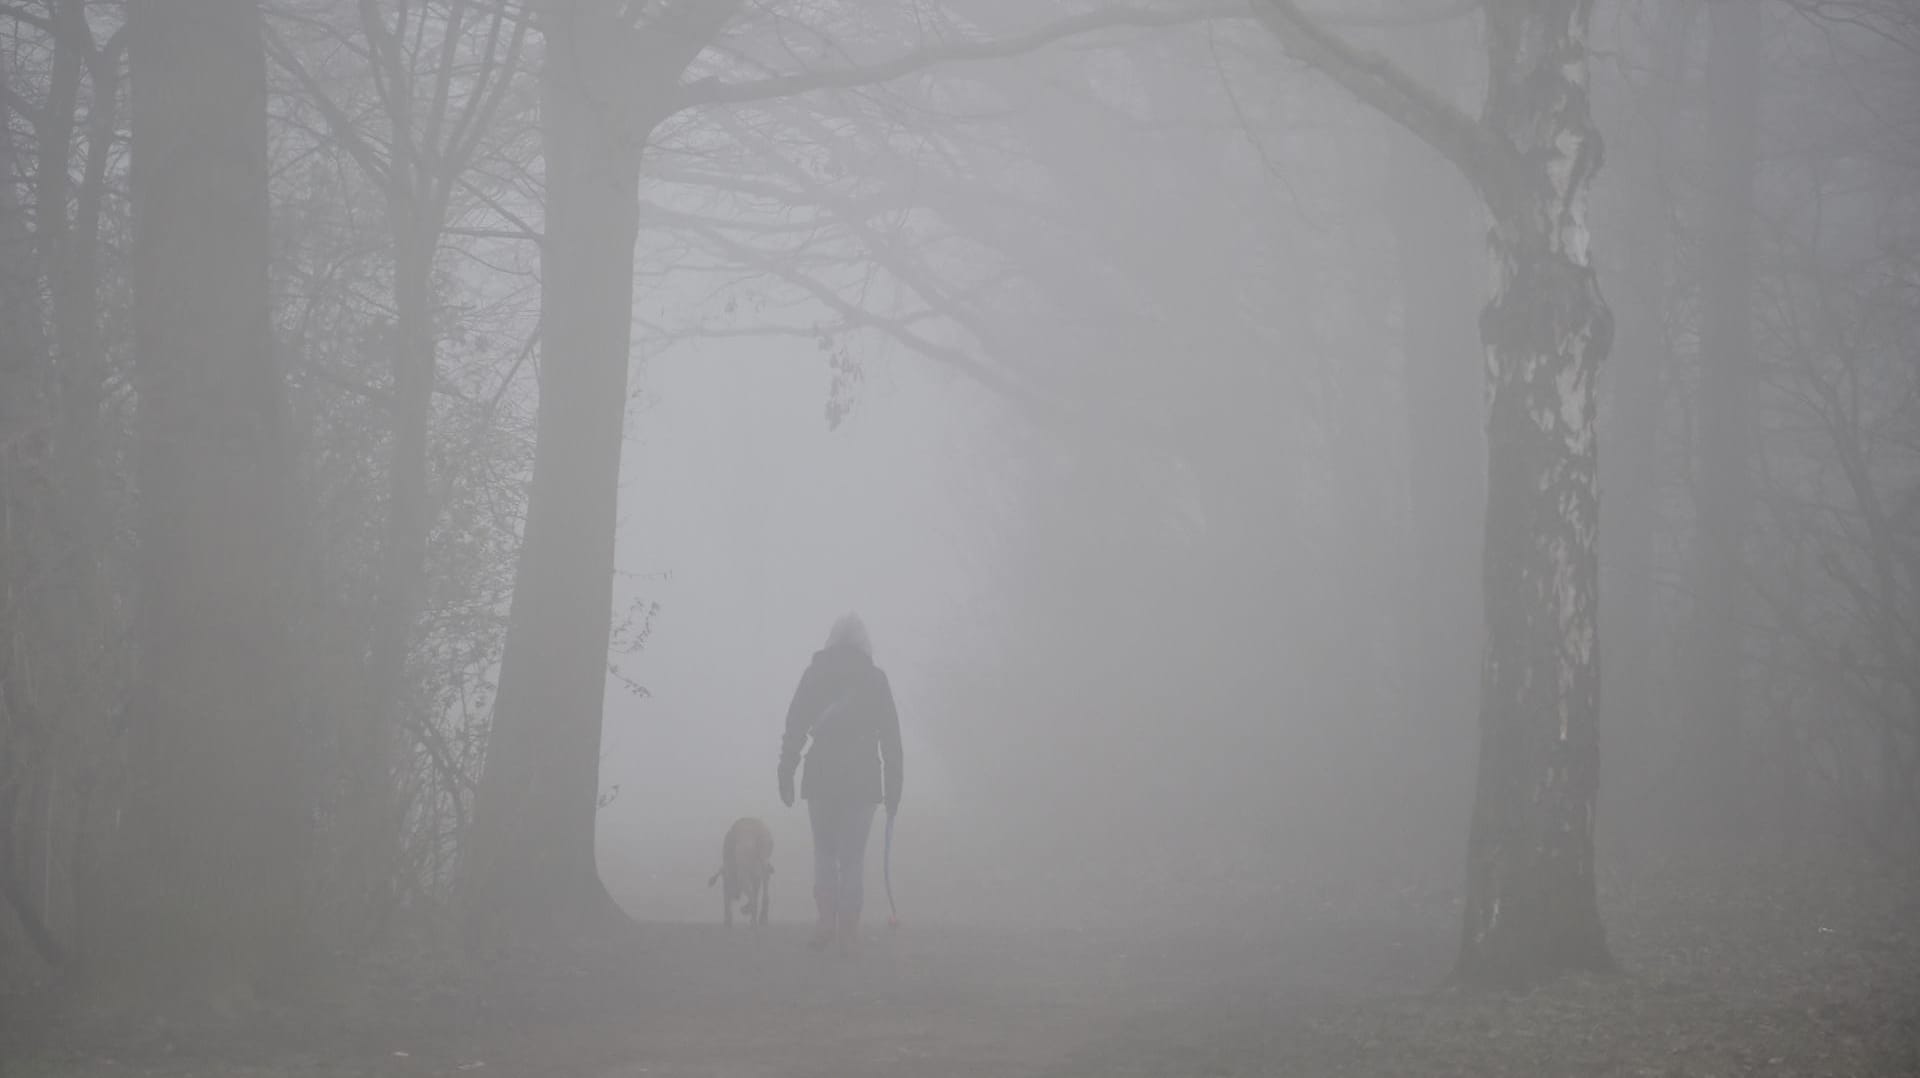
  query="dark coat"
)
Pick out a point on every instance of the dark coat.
point(844, 704)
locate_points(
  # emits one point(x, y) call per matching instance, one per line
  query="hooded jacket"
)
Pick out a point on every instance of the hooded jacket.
point(844, 707)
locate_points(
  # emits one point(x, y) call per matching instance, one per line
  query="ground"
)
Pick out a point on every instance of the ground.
point(1740, 974)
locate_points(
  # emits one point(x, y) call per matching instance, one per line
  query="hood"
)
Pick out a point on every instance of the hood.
point(841, 658)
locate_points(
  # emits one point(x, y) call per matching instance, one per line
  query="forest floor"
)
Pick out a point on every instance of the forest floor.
point(1756, 972)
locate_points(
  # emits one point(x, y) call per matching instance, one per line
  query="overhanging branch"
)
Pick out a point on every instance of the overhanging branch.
point(712, 91)
point(1380, 83)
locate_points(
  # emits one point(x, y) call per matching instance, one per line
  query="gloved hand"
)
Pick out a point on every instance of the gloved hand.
point(786, 788)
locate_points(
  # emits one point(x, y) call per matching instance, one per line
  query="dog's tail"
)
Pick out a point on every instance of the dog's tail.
point(715, 878)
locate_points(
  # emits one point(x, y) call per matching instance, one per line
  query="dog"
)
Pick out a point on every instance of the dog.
point(746, 867)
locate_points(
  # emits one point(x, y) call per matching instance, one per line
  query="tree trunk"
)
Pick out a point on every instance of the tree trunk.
point(1721, 766)
point(1531, 907)
point(80, 363)
point(531, 870)
point(41, 699)
point(209, 852)
point(605, 84)
point(89, 629)
point(23, 354)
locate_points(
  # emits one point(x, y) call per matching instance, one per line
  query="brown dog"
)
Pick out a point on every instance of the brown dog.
point(746, 866)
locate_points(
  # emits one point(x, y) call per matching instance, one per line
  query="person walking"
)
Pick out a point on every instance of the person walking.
point(843, 716)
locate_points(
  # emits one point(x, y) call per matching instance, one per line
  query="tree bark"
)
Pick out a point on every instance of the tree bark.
point(1531, 905)
point(209, 852)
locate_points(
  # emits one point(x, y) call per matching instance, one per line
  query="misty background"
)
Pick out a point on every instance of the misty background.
point(1128, 368)
point(1079, 667)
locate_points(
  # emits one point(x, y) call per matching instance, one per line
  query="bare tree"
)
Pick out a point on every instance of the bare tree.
point(59, 677)
point(1531, 904)
point(208, 854)
point(1832, 566)
point(436, 105)
point(611, 74)
point(24, 513)
point(607, 80)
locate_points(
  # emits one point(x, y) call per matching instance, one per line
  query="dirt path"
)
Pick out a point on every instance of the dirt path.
point(1735, 981)
point(700, 1001)
point(923, 1001)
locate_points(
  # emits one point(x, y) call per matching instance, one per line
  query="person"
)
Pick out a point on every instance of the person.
point(844, 708)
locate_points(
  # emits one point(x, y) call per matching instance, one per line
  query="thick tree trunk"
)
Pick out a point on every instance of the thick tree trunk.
point(23, 354)
point(53, 181)
point(88, 627)
point(80, 363)
point(209, 851)
point(531, 870)
point(1531, 906)
point(22, 337)
point(42, 702)
point(1720, 760)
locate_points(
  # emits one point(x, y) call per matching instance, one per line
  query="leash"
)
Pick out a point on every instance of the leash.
point(886, 872)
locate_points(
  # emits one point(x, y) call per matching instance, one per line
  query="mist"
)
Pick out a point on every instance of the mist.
point(1245, 538)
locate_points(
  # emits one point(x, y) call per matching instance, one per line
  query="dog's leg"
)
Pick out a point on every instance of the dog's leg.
point(726, 903)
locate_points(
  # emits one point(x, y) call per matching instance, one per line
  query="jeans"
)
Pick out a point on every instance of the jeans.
point(840, 831)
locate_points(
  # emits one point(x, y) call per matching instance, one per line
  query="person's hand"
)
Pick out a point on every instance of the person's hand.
point(786, 790)
point(893, 809)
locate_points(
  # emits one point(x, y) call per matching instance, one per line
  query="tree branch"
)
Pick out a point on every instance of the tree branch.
point(344, 130)
point(27, 110)
point(19, 13)
point(712, 91)
point(994, 380)
point(1378, 82)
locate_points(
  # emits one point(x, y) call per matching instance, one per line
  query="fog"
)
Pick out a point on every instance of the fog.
point(1089, 616)
point(1388, 530)
point(781, 527)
